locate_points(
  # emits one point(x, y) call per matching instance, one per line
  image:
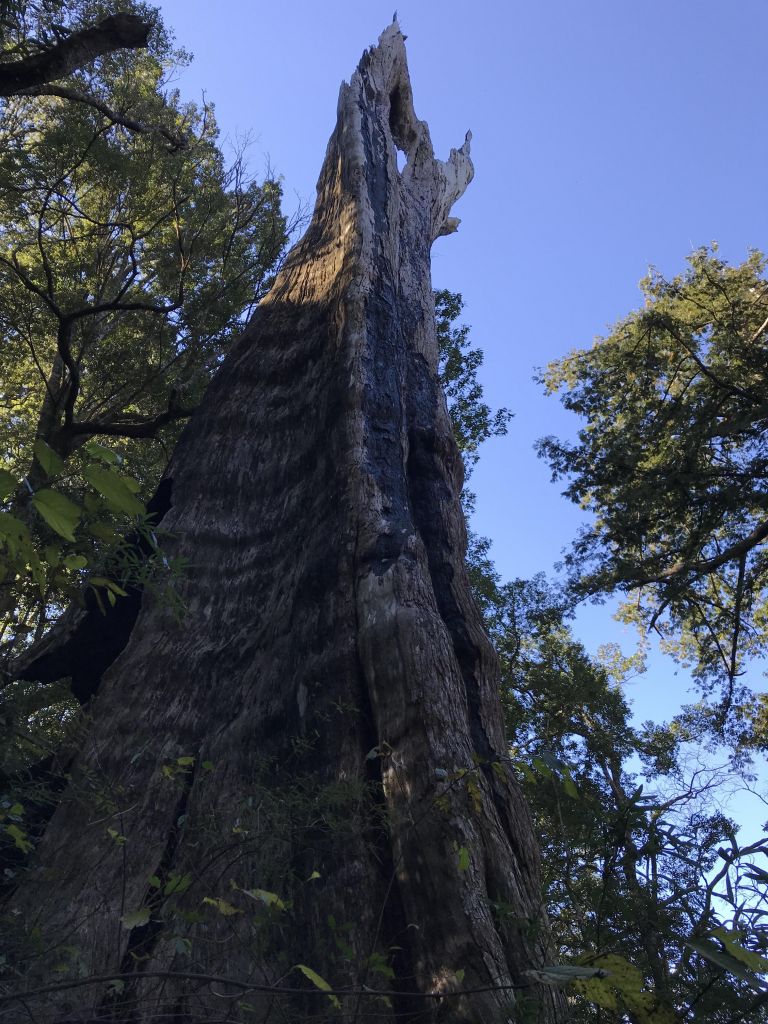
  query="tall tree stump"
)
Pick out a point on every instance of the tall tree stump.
point(310, 767)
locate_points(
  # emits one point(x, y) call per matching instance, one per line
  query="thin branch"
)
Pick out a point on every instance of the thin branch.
point(14, 265)
point(667, 323)
point(116, 117)
point(64, 346)
point(249, 986)
point(131, 428)
point(124, 307)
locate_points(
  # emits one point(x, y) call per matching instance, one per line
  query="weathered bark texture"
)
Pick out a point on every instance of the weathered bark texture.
point(331, 678)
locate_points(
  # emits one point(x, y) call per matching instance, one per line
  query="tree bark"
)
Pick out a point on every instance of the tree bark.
point(324, 724)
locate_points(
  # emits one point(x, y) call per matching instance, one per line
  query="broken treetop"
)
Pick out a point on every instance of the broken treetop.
point(367, 211)
point(383, 71)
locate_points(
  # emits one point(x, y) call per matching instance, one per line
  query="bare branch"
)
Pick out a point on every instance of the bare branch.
point(64, 346)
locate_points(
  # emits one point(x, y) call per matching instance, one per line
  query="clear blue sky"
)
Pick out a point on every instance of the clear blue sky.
point(607, 135)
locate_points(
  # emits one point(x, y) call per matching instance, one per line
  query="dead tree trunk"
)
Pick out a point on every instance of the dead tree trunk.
point(310, 768)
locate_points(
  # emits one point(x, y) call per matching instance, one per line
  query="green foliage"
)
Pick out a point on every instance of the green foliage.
point(320, 983)
point(130, 255)
point(638, 859)
point(671, 461)
point(472, 419)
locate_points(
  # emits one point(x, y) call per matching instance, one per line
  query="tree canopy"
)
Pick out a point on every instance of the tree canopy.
point(671, 460)
point(131, 253)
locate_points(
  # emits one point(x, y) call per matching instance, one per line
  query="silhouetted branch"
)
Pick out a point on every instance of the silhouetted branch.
point(117, 32)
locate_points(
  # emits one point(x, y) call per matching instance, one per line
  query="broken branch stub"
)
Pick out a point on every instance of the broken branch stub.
point(324, 725)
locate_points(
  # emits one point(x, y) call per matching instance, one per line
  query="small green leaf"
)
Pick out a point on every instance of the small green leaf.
point(47, 457)
point(460, 975)
point(319, 982)
point(208, 766)
point(98, 451)
point(185, 761)
point(12, 530)
point(377, 962)
point(709, 950)
point(8, 483)
point(528, 775)
point(102, 531)
point(52, 555)
point(269, 899)
point(136, 918)
point(221, 905)
point(19, 837)
point(177, 884)
point(463, 859)
point(154, 882)
point(732, 942)
point(119, 839)
point(115, 489)
point(75, 561)
point(61, 514)
point(109, 585)
point(569, 785)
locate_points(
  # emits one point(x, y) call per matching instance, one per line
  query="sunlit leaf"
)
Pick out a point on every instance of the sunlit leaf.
point(136, 918)
point(109, 585)
point(61, 514)
point(98, 451)
point(115, 489)
point(733, 943)
point(269, 899)
point(729, 963)
point(222, 906)
point(8, 483)
point(47, 457)
point(319, 982)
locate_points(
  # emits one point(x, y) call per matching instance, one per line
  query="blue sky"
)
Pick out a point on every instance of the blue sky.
point(607, 135)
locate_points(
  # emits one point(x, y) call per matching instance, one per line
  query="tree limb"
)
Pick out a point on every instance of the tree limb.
point(117, 32)
point(131, 428)
point(708, 565)
point(116, 117)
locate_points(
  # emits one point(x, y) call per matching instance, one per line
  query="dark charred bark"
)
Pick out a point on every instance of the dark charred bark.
point(331, 680)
